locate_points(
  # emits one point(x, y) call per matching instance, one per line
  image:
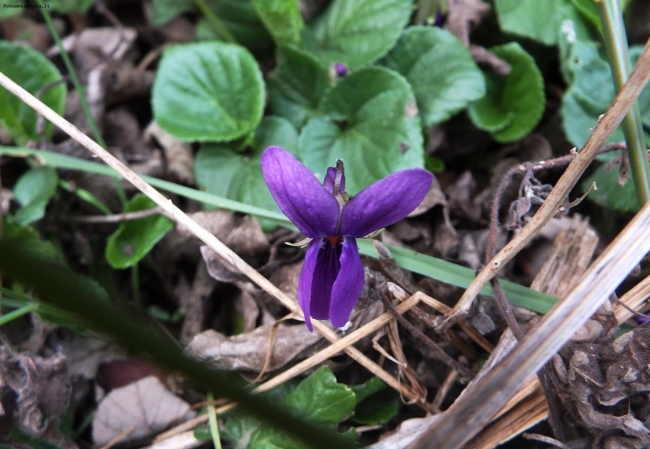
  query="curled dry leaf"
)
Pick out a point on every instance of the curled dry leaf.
point(603, 377)
point(193, 301)
point(249, 351)
point(407, 432)
point(35, 393)
point(111, 42)
point(85, 353)
point(179, 155)
point(138, 410)
point(242, 234)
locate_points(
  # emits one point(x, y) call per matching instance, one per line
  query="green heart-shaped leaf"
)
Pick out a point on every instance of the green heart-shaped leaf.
point(208, 91)
point(33, 191)
point(32, 71)
point(296, 85)
point(135, 238)
point(224, 171)
point(440, 69)
point(369, 119)
point(357, 32)
point(516, 100)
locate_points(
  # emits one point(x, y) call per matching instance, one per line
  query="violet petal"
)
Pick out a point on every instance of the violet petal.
point(299, 194)
point(348, 285)
point(306, 279)
point(330, 177)
point(385, 202)
point(325, 274)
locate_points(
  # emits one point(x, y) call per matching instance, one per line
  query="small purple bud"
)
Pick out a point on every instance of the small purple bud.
point(341, 69)
point(643, 319)
point(440, 19)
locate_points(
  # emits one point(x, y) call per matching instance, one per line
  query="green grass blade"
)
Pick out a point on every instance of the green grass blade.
point(441, 270)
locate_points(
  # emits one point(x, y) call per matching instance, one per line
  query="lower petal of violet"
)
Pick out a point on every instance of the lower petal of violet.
point(348, 284)
point(306, 279)
point(325, 274)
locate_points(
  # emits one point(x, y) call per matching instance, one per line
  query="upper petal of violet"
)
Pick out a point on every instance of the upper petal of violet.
point(385, 202)
point(299, 194)
point(330, 178)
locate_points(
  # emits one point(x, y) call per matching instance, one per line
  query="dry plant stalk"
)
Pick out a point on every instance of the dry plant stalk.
point(605, 127)
point(204, 235)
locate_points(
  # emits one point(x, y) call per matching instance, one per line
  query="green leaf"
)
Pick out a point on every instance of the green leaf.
point(610, 193)
point(365, 390)
point(224, 171)
point(165, 10)
point(282, 19)
point(375, 403)
point(357, 32)
point(33, 192)
point(589, 72)
point(135, 238)
point(11, 8)
point(520, 93)
point(320, 399)
point(32, 71)
point(440, 69)
point(68, 6)
point(537, 20)
point(296, 85)
point(241, 20)
point(208, 91)
point(29, 241)
point(489, 114)
point(589, 10)
point(368, 119)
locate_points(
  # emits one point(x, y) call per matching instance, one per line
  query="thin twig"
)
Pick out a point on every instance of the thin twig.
point(438, 353)
point(545, 439)
point(117, 218)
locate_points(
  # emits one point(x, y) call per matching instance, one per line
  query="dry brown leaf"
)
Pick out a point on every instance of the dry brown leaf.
point(242, 234)
point(86, 352)
point(179, 155)
point(110, 41)
point(35, 393)
point(249, 351)
point(145, 406)
point(405, 434)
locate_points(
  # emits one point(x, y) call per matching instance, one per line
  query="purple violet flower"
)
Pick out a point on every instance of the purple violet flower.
point(340, 69)
point(332, 276)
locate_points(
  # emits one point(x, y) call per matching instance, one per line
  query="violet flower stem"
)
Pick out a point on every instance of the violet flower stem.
point(611, 18)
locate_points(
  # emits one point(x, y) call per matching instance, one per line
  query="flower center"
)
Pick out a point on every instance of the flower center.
point(334, 240)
